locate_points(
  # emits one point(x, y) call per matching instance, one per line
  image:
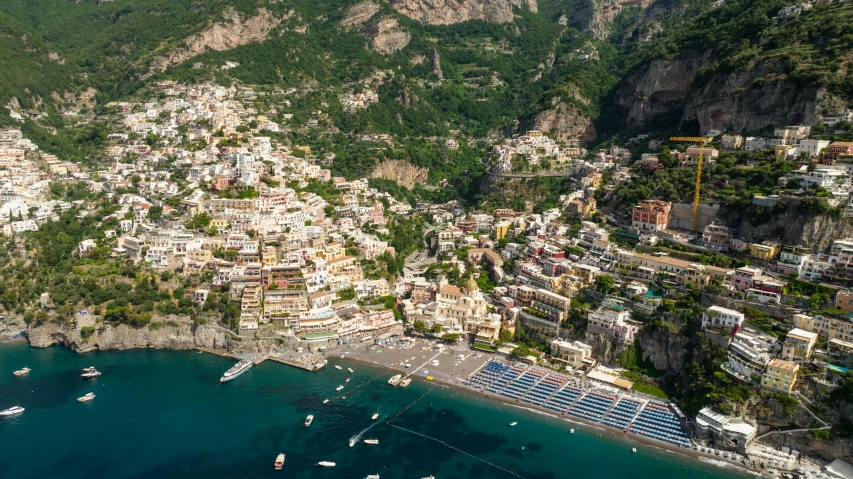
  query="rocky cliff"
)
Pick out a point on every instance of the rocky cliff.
point(596, 16)
point(667, 92)
point(793, 227)
point(403, 172)
point(448, 12)
point(666, 349)
point(358, 14)
point(231, 33)
point(387, 36)
point(168, 336)
point(565, 122)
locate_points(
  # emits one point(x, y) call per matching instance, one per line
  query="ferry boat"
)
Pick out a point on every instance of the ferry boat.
point(405, 382)
point(87, 397)
point(351, 371)
point(309, 420)
point(338, 367)
point(12, 411)
point(339, 387)
point(22, 372)
point(326, 464)
point(279, 461)
point(395, 379)
point(372, 442)
point(90, 372)
point(374, 416)
point(236, 370)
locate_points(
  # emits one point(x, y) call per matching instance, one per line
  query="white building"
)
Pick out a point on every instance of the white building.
point(719, 317)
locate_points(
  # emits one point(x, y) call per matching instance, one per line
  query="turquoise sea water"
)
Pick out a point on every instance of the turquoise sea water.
point(164, 414)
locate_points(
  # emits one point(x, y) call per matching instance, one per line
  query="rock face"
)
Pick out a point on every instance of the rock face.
point(565, 122)
point(448, 12)
point(232, 33)
point(595, 16)
point(665, 349)
point(180, 336)
point(358, 14)
point(666, 92)
point(435, 63)
point(387, 36)
point(403, 172)
point(793, 227)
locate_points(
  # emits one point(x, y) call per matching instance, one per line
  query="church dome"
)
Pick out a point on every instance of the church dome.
point(471, 285)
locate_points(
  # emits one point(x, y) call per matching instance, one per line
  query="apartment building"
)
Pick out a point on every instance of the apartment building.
point(574, 354)
point(799, 344)
point(651, 215)
point(720, 317)
point(780, 376)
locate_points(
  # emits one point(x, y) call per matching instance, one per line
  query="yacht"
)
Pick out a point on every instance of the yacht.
point(279, 461)
point(372, 442)
point(374, 416)
point(90, 372)
point(12, 411)
point(22, 372)
point(395, 379)
point(236, 371)
point(405, 382)
point(309, 419)
point(338, 367)
point(351, 371)
point(339, 387)
point(326, 464)
point(87, 397)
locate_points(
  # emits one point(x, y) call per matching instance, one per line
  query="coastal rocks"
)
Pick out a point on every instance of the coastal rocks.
point(231, 33)
point(565, 122)
point(387, 37)
point(358, 14)
point(403, 172)
point(596, 16)
point(448, 12)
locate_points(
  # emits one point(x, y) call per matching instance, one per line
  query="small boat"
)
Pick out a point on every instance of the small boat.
point(347, 380)
point(372, 442)
point(395, 379)
point(374, 416)
point(513, 423)
point(405, 382)
point(279, 461)
point(87, 397)
point(309, 419)
point(12, 411)
point(352, 441)
point(351, 371)
point(22, 372)
point(326, 464)
point(372, 476)
point(325, 401)
point(90, 372)
point(634, 450)
point(338, 367)
point(339, 387)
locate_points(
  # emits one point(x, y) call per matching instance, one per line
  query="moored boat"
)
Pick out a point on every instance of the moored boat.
point(513, 423)
point(325, 401)
point(309, 420)
point(338, 367)
point(374, 416)
point(326, 464)
point(372, 476)
point(12, 411)
point(279, 461)
point(87, 397)
point(236, 370)
point(351, 371)
point(405, 382)
point(372, 442)
point(339, 387)
point(395, 379)
point(22, 372)
point(90, 372)
point(347, 380)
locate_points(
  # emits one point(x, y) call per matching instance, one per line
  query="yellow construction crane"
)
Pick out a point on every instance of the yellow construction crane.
point(702, 141)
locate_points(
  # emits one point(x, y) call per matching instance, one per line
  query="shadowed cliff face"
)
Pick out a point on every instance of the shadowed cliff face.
point(448, 12)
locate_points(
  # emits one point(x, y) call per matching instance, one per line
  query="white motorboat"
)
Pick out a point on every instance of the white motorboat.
point(513, 423)
point(352, 441)
point(339, 387)
point(372, 476)
point(279, 461)
point(405, 382)
point(634, 450)
point(22, 372)
point(90, 372)
point(372, 442)
point(236, 370)
point(86, 398)
point(572, 431)
point(395, 379)
point(326, 464)
point(374, 416)
point(347, 380)
point(338, 367)
point(351, 371)
point(325, 401)
point(309, 420)
point(12, 411)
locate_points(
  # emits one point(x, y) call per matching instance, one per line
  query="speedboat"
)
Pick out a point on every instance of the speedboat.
point(309, 419)
point(372, 476)
point(339, 387)
point(351, 371)
point(90, 372)
point(22, 372)
point(338, 367)
point(395, 379)
point(325, 401)
point(236, 371)
point(279, 461)
point(634, 450)
point(12, 411)
point(87, 397)
point(326, 464)
point(513, 423)
point(374, 416)
point(352, 441)
point(372, 442)
point(405, 382)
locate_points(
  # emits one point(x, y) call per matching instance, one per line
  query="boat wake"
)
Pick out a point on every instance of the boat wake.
point(358, 436)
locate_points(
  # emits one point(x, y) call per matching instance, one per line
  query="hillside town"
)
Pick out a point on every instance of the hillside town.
point(201, 188)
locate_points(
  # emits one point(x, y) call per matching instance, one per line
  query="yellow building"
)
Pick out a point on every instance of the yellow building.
point(501, 229)
point(780, 376)
point(764, 251)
